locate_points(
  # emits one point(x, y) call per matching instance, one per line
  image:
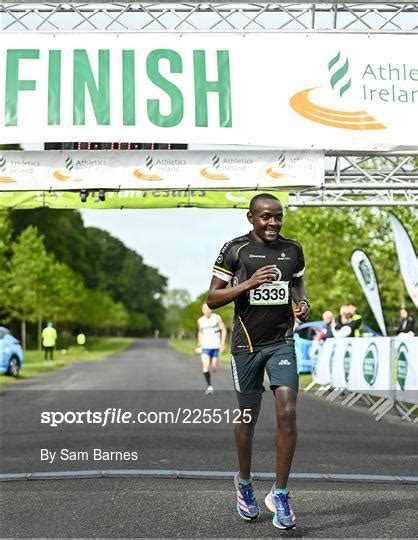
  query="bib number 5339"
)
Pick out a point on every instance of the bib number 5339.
point(276, 293)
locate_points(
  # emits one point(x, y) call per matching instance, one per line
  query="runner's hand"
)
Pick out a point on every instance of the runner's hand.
point(266, 274)
point(302, 311)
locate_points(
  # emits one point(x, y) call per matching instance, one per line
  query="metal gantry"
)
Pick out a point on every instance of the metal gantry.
point(375, 179)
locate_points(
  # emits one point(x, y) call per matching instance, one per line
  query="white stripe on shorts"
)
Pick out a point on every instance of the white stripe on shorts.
point(235, 374)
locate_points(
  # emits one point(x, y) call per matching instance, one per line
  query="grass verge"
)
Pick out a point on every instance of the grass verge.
point(187, 346)
point(97, 349)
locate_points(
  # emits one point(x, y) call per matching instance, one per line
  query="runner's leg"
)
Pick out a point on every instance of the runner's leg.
point(215, 363)
point(205, 368)
point(244, 434)
point(286, 436)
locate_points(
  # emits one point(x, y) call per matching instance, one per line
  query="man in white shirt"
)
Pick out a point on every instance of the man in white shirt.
point(211, 337)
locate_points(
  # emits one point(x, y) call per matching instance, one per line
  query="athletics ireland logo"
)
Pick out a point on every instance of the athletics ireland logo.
point(149, 164)
point(340, 83)
point(213, 173)
point(370, 364)
point(3, 166)
point(347, 362)
point(278, 171)
point(402, 365)
point(67, 174)
point(367, 274)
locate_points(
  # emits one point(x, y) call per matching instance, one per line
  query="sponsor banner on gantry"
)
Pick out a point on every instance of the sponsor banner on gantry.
point(287, 90)
point(152, 198)
point(182, 169)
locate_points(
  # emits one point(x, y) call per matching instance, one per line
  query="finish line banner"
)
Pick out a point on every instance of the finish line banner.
point(301, 90)
point(143, 170)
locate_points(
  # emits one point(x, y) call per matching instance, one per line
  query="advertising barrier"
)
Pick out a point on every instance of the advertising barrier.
point(384, 367)
point(406, 353)
point(317, 90)
point(356, 364)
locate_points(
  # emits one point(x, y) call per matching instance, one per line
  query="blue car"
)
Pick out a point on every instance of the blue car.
point(11, 353)
point(304, 336)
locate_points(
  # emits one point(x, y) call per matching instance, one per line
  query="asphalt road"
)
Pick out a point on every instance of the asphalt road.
point(151, 378)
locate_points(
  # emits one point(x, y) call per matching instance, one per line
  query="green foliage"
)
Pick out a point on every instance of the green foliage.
point(28, 279)
point(329, 236)
point(125, 277)
point(65, 236)
point(175, 301)
point(93, 280)
point(5, 252)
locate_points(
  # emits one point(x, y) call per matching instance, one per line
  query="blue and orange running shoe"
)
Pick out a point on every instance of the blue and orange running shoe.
point(247, 506)
point(284, 518)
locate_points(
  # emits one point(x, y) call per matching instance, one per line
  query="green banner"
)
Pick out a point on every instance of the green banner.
point(133, 199)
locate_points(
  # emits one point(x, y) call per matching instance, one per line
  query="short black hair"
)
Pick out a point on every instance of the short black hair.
point(254, 201)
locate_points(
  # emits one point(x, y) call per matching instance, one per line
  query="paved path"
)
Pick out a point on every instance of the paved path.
point(151, 377)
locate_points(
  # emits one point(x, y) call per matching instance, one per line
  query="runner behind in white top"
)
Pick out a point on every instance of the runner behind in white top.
point(211, 337)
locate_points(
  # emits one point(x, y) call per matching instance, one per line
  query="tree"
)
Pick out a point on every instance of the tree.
point(175, 300)
point(28, 279)
point(66, 238)
point(5, 250)
point(329, 236)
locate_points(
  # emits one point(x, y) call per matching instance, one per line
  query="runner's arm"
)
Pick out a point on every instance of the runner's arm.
point(303, 309)
point(219, 295)
point(223, 333)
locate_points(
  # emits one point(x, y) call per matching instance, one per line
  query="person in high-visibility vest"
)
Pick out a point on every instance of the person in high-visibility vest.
point(81, 340)
point(355, 320)
point(49, 340)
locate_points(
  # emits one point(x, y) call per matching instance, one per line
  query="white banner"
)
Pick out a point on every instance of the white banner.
point(407, 369)
point(284, 90)
point(174, 169)
point(356, 364)
point(371, 366)
point(407, 258)
point(322, 355)
point(365, 273)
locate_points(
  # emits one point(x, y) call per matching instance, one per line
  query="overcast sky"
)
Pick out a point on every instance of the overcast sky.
point(182, 243)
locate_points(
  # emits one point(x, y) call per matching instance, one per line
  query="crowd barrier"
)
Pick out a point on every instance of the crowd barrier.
point(365, 368)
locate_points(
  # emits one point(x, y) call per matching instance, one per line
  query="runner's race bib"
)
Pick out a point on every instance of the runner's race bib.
point(270, 294)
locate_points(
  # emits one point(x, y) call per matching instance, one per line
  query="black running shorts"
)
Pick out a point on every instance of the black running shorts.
point(278, 360)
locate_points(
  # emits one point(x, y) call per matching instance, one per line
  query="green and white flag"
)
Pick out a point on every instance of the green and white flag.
point(407, 258)
point(365, 273)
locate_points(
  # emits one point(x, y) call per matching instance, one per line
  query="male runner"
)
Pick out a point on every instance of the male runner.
point(265, 271)
point(211, 337)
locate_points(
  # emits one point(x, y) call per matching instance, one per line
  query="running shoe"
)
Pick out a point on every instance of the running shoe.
point(247, 506)
point(279, 503)
point(209, 390)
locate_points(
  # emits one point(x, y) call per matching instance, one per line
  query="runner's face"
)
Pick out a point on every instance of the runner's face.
point(267, 219)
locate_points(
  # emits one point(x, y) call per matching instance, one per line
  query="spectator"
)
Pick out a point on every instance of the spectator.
point(49, 340)
point(406, 324)
point(326, 332)
point(81, 341)
point(348, 323)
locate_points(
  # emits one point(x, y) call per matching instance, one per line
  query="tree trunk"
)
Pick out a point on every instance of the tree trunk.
point(23, 333)
point(39, 333)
